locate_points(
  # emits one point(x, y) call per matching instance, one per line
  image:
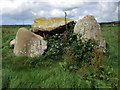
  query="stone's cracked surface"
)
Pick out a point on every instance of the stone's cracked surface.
point(29, 44)
point(90, 29)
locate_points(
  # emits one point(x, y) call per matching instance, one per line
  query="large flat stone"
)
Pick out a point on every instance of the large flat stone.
point(49, 24)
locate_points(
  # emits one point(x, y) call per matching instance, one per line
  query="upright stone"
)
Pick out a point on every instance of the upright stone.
point(90, 29)
point(28, 43)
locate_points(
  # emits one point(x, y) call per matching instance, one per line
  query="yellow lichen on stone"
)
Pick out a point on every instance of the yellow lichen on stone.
point(48, 24)
point(50, 19)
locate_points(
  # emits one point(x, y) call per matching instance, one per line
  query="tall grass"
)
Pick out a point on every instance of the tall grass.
point(24, 72)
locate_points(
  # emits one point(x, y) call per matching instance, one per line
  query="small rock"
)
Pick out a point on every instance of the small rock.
point(12, 43)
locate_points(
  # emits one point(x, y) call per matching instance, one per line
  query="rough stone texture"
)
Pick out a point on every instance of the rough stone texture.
point(50, 26)
point(29, 44)
point(90, 29)
point(12, 43)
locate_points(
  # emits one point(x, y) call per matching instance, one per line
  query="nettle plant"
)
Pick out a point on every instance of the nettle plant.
point(58, 42)
point(70, 49)
point(55, 46)
point(76, 52)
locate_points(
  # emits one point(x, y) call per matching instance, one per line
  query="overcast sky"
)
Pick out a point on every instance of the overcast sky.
point(25, 11)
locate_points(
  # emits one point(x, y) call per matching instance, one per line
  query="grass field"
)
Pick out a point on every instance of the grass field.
point(49, 74)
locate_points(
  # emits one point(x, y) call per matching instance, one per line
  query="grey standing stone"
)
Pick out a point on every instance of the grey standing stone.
point(90, 29)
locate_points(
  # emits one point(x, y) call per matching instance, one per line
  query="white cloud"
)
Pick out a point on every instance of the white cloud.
point(57, 13)
point(76, 9)
point(65, 4)
point(1, 21)
point(106, 11)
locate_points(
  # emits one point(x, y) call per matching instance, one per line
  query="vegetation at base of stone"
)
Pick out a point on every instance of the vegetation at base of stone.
point(60, 71)
point(60, 47)
point(64, 45)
